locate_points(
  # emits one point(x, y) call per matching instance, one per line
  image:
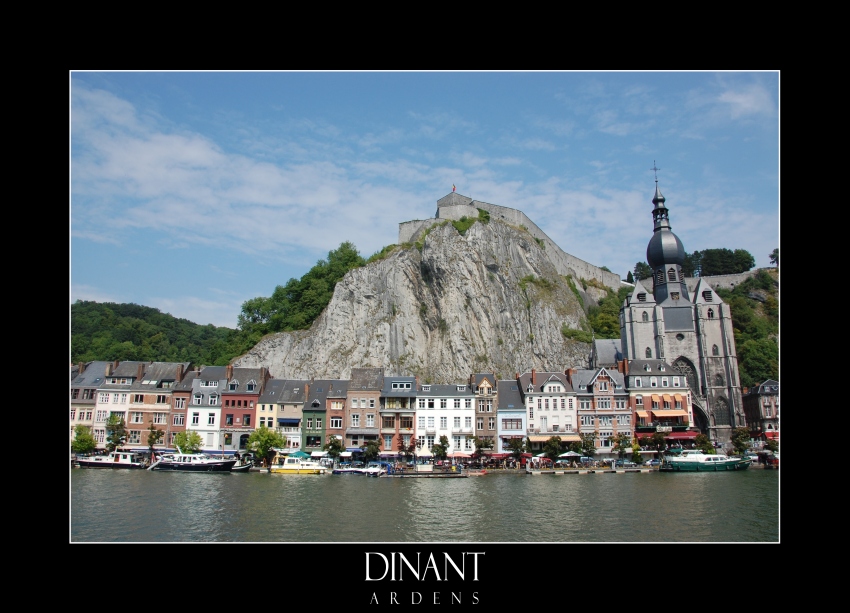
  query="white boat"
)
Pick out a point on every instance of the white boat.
point(114, 459)
point(694, 460)
point(192, 462)
point(289, 465)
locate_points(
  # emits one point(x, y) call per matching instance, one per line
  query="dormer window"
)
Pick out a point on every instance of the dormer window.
point(706, 295)
point(647, 368)
point(661, 367)
point(233, 386)
point(251, 386)
point(426, 388)
point(530, 388)
point(461, 388)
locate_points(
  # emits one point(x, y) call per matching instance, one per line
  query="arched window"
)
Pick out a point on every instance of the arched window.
point(718, 379)
point(720, 413)
point(711, 313)
point(715, 350)
point(644, 316)
point(648, 352)
point(671, 274)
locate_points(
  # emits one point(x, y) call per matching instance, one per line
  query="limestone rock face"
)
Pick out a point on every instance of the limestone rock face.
point(487, 301)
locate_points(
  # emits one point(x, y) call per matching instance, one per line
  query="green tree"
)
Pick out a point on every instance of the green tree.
point(691, 264)
point(116, 432)
point(552, 448)
point(154, 437)
point(772, 445)
point(441, 450)
point(588, 443)
point(83, 440)
point(334, 447)
point(516, 447)
point(774, 257)
point(656, 440)
point(622, 444)
point(371, 450)
point(480, 445)
point(642, 271)
point(704, 444)
point(188, 441)
point(740, 440)
point(263, 441)
point(630, 277)
point(409, 450)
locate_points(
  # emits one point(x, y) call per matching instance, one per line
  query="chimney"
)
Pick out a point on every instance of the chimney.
point(141, 371)
point(306, 391)
point(108, 371)
point(115, 365)
point(82, 367)
point(179, 376)
point(229, 371)
point(516, 376)
point(533, 376)
point(416, 378)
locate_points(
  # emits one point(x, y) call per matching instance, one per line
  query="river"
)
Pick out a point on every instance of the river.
point(139, 506)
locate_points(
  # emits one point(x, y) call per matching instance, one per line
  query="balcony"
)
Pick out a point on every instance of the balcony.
point(464, 430)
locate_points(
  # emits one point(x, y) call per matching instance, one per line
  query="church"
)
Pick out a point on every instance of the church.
point(691, 331)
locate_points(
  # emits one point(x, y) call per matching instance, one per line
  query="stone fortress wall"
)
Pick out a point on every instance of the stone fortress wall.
point(454, 206)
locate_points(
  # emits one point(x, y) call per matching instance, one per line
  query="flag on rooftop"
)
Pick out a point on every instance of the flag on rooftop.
point(453, 187)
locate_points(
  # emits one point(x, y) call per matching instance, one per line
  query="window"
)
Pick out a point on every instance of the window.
point(620, 403)
point(421, 403)
point(370, 420)
point(674, 295)
point(401, 386)
point(706, 295)
point(209, 383)
point(639, 401)
point(135, 436)
point(664, 382)
point(355, 420)
point(511, 424)
point(718, 379)
point(715, 350)
point(468, 403)
point(318, 423)
point(648, 352)
point(467, 444)
point(603, 386)
point(309, 423)
point(430, 403)
point(388, 442)
point(115, 398)
point(644, 316)
point(159, 418)
point(371, 403)
point(711, 313)
point(671, 274)
point(213, 400)
point(179, 403)
point(210, 419)
point(137, 398)
point(161, 399)
point(457, 403)
point(228, 419)
point(603, 403)
point(178, 419)
point(491, 423)
point(337, 405)
point(196, 418)
point(676, 382)
point(421, 421)
point(546, 404)
point(430, 441)
point(443, 403)
point(197, 399)
point(653, 381)
point(233, 386)
point(101, 415)
point(430, 422)
point(388, 421)
point(444, 423)
point(336, 422)
point(137, 417)
point(530, 410)
point(252, 386)
point(99, 435)
point(362, 403)
point(74, 414)
point(456, 442)
point(480, 423)
point(467, 421)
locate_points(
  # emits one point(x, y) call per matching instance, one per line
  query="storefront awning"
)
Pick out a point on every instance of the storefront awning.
point(670, 413)
point(318, 454)
point(681, 435)
point(644, 414)
point(287, 421)
point(772, 434)
point(345, 454)
point(565, 438)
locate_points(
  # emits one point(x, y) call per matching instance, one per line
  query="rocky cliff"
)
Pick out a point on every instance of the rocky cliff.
point(486, 301)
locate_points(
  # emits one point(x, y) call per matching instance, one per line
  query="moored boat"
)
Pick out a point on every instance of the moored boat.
point(192, 462)
point(694, 460)
point(296, 466)
point(114, 459)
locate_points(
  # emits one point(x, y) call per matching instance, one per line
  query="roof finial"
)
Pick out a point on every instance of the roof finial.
point(654, 168)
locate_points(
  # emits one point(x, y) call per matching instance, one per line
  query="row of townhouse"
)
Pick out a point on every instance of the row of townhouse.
point(224, 405)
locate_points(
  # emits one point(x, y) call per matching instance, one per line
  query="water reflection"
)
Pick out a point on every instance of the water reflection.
point(144, 506)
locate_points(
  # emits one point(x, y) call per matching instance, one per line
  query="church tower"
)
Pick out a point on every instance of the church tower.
point(692, 333)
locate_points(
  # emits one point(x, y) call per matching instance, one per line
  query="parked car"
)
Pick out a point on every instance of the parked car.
point(625, 464)
point(652, 463)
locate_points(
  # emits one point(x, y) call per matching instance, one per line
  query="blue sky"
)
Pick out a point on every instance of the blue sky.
point(192, 192)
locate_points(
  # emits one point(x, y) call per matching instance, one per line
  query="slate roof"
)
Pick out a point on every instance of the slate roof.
point(441, 389)
point(585, 377)
point(388, 390)
point(319, 391)
point(607, 352)
point(366, 379)
point(283, 390)
point(510, 398)
point(156, 372)
point(541, 378)
point(93, 374)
